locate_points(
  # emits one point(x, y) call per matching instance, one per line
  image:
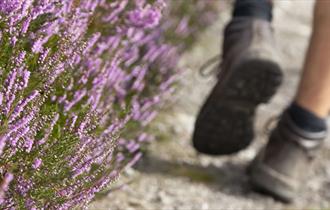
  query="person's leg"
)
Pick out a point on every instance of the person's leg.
point(314, 90)
point(281, 166)
point(249, 75)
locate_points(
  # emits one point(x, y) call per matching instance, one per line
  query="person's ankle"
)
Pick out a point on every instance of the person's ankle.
point(306, 119)
point(260, 9)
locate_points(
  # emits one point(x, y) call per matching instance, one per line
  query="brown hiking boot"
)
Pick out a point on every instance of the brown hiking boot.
point(250, 76)
point(282, 165)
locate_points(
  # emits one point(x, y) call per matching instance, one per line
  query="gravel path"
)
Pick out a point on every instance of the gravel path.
point(173, 176)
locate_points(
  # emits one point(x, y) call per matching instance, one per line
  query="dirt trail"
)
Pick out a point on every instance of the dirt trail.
point(173, 176)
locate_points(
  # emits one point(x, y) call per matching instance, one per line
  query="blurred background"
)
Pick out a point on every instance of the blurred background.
point(173, 176)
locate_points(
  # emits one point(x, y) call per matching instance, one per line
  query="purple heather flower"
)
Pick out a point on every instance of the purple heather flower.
point(22, 104)
point(1, 98)
point(135, 159)
point(37, 163)
point(78, 74)
point(147, 17)
point(4, 185)
point(37, 46)
point(8, 6)
point(2, 144)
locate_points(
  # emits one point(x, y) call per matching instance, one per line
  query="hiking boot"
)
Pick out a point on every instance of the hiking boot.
point(250, 75)
point(281, 167)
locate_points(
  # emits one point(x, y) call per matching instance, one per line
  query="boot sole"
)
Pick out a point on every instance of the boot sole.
point(266, 181)
point(225, 123)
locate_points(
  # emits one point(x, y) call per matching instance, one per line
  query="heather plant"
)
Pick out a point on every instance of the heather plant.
point(79, 82)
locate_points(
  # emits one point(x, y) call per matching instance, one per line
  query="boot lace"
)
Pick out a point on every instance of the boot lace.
point(211, 66)
point(270, 124)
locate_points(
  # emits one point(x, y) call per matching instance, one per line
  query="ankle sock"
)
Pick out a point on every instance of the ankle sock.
point(253, 8)
point(306, 120)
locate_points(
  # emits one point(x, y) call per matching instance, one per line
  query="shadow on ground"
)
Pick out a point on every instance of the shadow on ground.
point(230, 178)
